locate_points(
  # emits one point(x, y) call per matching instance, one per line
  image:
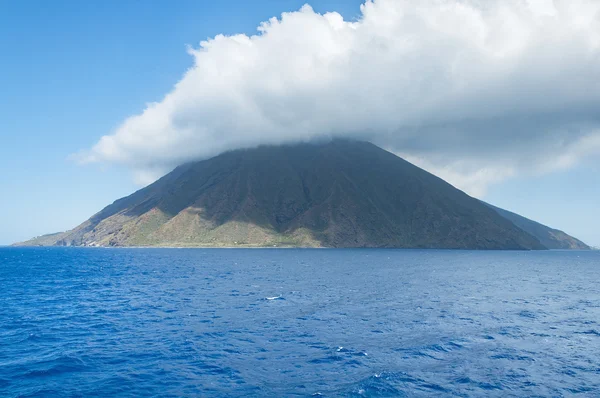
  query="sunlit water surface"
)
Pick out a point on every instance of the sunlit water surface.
point(185, 322)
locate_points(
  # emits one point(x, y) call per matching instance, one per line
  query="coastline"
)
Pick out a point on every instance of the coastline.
point(301, 247)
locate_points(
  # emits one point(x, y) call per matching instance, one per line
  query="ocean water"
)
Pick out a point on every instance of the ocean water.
point(277, 323)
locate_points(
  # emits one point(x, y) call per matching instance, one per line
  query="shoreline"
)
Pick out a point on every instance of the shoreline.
point(300, 247)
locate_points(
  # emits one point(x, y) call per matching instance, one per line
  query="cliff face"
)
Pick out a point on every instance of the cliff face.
point(336, 194)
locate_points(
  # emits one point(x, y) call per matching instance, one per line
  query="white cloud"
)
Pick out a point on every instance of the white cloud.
point(475, 90)
point(473, 177)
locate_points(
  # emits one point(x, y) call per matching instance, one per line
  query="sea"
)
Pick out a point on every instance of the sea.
point(89, 322)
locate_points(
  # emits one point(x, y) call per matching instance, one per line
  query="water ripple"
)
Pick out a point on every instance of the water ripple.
point(364, 323)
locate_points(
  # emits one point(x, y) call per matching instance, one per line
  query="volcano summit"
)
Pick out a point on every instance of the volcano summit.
point(335, 194)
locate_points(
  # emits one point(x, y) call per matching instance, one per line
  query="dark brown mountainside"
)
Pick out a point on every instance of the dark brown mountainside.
point(335, 194)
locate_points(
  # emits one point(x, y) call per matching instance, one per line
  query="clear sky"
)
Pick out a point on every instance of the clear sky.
point(74, 71)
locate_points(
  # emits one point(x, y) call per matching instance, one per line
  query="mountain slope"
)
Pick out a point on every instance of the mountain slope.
point(549, 237)
point(337, 194)
point(43, 240)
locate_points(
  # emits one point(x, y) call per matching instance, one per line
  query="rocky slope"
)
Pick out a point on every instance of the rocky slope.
point(549, 237)
point(335, 194)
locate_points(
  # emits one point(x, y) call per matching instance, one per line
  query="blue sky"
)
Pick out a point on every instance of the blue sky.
point(73, 71)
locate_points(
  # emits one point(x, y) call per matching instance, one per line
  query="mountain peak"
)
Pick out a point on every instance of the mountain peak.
point(338, 193)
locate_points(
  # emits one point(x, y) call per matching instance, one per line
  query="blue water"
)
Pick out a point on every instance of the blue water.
point(179, 322)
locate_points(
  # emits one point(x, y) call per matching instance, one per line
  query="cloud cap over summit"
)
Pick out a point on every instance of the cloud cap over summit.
point(475, 91)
